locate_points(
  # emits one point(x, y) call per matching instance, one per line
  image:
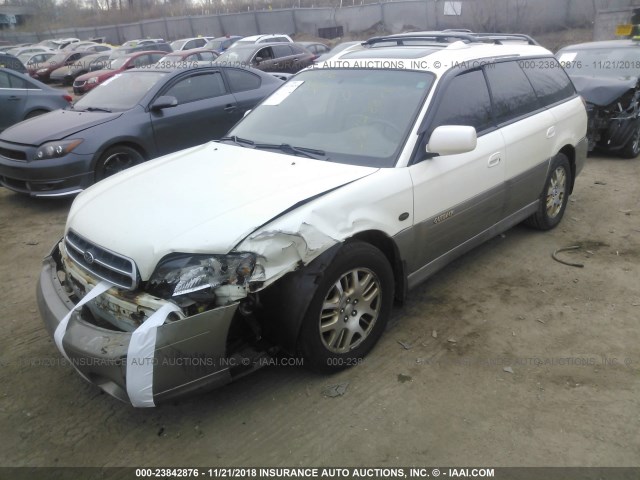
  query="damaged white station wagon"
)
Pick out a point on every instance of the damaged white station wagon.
point(352, 183)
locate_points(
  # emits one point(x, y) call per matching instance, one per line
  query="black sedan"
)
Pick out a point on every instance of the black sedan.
point(607, 75)
point(22, 97)
point(135, 116)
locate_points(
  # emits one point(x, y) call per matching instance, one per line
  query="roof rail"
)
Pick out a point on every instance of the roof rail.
point(446, 36)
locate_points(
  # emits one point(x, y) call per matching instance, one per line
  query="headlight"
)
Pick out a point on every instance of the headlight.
point(184, 274)
point(56, 149)
point(93, 80)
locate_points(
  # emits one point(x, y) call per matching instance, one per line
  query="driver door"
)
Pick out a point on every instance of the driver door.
point(205, 111)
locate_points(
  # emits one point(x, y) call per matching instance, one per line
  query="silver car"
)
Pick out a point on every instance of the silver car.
point(22, 97)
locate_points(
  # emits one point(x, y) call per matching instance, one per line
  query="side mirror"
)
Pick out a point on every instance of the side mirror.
point(452, 140)
point(165, 101)
point(257, 60)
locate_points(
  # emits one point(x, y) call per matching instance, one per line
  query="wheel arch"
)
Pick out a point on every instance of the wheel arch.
point(116, 143)
point(38, 108)
point(284, 304)
point(388, 247)
point(570, 152)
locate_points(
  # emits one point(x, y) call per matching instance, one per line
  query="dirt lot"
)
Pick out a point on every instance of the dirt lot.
point(468, 394)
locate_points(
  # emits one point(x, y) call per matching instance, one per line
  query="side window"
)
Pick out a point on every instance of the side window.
point(17, 82)
point(199, 42)
point(282, 51)
point(197, 87)
point(265, 53)
point(551, 84)
point(141, 61)
point(155, 58)
point(4, 80)
point(241, 80)
point(189, 45)
point(511, 91)
point(466, 101)
point(207, 56)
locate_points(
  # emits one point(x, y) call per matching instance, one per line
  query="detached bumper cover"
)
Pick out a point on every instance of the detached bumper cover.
point(189, 354)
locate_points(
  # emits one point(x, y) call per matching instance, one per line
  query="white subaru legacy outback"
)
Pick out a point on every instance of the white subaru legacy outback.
point(351, 184)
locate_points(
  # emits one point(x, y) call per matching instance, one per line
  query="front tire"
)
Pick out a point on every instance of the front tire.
point(35, 113)
point(349, 310)
point(554, 196)
point(117, 159)
point(632, 148)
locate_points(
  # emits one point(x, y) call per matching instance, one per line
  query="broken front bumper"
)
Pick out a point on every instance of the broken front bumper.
point(189, 354)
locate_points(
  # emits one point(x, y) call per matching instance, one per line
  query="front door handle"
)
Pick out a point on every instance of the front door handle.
point(230, 108)
point(494, 159)
point(14, 98)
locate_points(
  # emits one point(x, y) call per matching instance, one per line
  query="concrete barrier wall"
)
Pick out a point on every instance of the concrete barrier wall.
point(528, 16)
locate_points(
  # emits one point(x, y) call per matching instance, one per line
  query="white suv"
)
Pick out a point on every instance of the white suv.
point(268, 38)
point(351, 184)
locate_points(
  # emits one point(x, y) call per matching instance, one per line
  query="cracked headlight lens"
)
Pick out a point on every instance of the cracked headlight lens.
point(183, 274)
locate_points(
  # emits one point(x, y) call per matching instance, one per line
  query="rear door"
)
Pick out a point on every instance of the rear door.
point(205, 111)
point(286, 59)
point(13, 99)
point(528, 130)
point(456, 197)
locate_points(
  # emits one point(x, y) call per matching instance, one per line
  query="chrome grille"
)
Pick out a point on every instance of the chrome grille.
point(102, 263)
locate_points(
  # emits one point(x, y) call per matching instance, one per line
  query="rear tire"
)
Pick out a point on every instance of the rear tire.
point(632, 148)
point(349, 310)
point(554, 196)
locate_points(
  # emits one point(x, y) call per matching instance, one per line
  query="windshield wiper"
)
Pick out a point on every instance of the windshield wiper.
point(303, 151)
point(96, 109)
point(237, 140)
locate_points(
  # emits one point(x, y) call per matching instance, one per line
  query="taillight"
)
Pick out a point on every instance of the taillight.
point(68, 98)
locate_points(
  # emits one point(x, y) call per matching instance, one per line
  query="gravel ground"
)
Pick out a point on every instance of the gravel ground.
point(504, 358)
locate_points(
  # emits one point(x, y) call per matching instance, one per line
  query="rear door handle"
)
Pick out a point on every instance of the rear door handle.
point(230, 108)
point(494, 159)
point(551, 132)
point(13, 97)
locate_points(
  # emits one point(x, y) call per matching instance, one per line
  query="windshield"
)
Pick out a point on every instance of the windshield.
point(601, 62)
point(178, 44)
point(58, 58)
point(235, 56)
point(120, 92)
point(355, 116)
point(117, 63)
point(214, 44)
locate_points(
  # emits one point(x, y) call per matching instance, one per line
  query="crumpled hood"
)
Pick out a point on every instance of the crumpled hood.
point(54, 125)
point(602, 91)
point(205, 199)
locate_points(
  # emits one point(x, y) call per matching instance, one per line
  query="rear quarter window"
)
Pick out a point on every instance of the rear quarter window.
point(241, 80)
